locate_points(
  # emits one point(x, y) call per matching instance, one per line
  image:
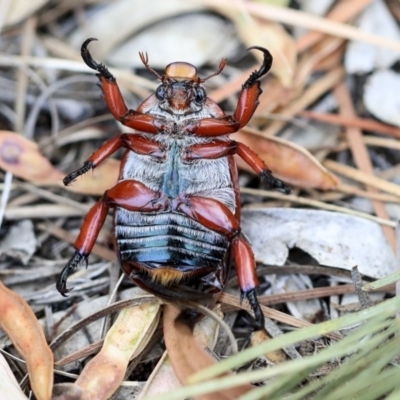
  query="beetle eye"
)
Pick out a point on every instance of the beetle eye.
point(200, 95)
point(160, 92)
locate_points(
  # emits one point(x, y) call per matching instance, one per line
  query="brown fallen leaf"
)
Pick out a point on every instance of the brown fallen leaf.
point(20, 324)
point(163, 378)
point(188, 356)
point(22, 157)
point(132, 330)
point(287, 161)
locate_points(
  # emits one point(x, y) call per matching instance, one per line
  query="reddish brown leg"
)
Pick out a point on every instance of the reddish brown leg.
point(131, 195)
point(217, 149)
point(216, 216)
point(134, 142)
point(247, 104)
point(235, 181)
point(114, 99)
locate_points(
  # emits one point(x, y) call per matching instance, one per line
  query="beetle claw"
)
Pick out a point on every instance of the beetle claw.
point(259, 322)
point(87, 165)
point(265, 67)
point(275, 183)
point(87, 57)
point(72, 264)
point(91, 63)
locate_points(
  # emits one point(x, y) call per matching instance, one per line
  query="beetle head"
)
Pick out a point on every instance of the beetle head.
point(180, 91)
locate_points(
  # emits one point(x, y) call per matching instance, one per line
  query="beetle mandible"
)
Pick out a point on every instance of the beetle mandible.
point(176, 204)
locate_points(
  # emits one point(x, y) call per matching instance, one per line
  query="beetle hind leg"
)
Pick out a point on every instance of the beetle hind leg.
point(71, 266)
point(248, 280)
point(217, 216)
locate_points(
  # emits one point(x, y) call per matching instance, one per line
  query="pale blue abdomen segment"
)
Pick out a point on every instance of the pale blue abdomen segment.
point(168, 238)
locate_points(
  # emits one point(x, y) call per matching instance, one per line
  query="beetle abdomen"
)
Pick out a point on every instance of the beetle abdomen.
point(167, 238)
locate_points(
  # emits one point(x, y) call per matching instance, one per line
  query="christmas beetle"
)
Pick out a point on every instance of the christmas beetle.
point(176, 204)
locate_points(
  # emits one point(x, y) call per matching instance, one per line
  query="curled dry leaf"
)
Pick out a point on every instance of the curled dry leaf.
point(23, 158)
point(289, 162)
point(132, 330)
point(331, 238)
point(20, 324)
point(187, 354)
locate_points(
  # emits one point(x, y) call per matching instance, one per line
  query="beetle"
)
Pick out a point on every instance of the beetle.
point(176, 204)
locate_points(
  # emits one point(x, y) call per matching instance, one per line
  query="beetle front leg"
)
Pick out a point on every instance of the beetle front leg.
point(216, 216)
point(115, 100)
point(130, 195)
point(247, 104)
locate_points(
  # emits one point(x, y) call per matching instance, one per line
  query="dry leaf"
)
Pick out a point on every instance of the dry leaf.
point(287, 161)
point(331, 238)
point(23, 158)
point(132, 330)
point(163, 378)
point(188, 356)
point(20, 324)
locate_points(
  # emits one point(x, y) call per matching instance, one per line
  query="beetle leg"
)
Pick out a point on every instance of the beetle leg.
point(115, 101)
point(217, 149)
point(247, 104)
point(96, 158)
point(71, 266)
point(130, 195)
point(260, 168)
point(137, 143)
point(91, 63)
point(216, 216)
point(265, 67)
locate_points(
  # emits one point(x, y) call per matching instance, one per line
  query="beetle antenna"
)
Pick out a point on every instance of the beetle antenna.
point(145, 60)
point(217, 72)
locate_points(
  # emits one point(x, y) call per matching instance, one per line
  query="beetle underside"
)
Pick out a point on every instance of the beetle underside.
point(177, 205)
